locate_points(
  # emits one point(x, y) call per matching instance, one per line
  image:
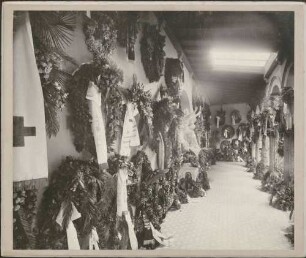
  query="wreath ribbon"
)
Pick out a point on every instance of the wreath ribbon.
point(72, 236)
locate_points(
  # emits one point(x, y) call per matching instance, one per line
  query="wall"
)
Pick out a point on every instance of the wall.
point(243, 108)
point(61, 146)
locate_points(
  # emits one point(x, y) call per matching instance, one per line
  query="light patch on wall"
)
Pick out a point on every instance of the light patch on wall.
point(239, 60)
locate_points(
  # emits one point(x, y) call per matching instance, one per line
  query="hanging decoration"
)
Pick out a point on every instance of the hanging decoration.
point(220, 118)
point(100, 34)
point(143, 100)
point(174, 76)
point(107, 77)
point(235, 117)
point(236, 144)
point(228, 131)
point(127, 24)
point(52, 32)
point(241, 131)
point(152, 52)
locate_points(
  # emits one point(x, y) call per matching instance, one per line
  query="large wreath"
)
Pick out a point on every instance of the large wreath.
point(228, 131)
point(79, 120)
point(174, 73)
point(152, 52)
point(221, 114)
point(224, 144)
point(236, 116)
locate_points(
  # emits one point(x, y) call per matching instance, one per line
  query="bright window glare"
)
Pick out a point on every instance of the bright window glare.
point(222, 59)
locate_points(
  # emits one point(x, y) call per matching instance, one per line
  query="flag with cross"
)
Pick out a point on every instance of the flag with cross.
point(29, 135)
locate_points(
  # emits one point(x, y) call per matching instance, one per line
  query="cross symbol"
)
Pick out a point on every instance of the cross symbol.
point(20, 131)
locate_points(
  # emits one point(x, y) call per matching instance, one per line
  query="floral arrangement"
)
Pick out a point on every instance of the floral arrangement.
point(100, 34)
point(174, 75)
point(260, 171)
point(53, 81)
point(284, 195)
point(109, 79)
point(24, 211)
point(250, 164)
point(143, 101)
point(190, 157)
point(152, 52)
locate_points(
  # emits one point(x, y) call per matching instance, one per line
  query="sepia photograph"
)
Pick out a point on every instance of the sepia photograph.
point(154, 130)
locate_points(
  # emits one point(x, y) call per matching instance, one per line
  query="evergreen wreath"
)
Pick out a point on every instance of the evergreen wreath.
point(236, 115)
point(100, 34)
point(152, 51)
point(143, 100)
point(174, 73)
point(109, 79)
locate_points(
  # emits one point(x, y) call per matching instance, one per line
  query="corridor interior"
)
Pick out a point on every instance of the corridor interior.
point(235, 215)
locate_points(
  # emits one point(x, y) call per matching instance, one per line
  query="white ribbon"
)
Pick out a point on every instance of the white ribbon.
point(98, 128)
point(218, 121)
point(93, 240)
point(161, 152)
point(122, 206)
point(233, 120)
point(130, 135)
point(159, 237)
point(72, 236)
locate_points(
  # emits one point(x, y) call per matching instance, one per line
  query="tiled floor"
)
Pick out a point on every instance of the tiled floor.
point(234, 215)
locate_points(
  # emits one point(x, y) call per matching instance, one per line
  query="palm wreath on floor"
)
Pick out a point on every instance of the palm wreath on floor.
point(52, 33)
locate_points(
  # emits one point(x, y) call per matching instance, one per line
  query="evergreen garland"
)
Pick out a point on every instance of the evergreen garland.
point(152, 52)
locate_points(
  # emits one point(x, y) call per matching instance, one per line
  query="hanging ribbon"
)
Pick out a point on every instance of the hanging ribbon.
point(122, 206)
point(218, 121)
point(161, 152)
point(159, 237)
point(130, 136)
point(98, 128)
point(72, 237)
point(233, 120)
point(93, 240)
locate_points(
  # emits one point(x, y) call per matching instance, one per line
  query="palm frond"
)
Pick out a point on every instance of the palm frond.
point(53, 29)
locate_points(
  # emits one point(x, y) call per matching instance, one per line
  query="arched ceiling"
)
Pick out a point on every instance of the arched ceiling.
point(202, 33)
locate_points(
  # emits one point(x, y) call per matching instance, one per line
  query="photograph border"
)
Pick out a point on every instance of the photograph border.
point(7, 121)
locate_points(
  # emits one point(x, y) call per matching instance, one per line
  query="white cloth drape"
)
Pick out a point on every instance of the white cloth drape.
point(98, 128)
point(29, 152)
point(288, 117)
point(72, 237)
point(93, 240)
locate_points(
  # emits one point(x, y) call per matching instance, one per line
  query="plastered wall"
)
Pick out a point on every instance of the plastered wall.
point(61, 146)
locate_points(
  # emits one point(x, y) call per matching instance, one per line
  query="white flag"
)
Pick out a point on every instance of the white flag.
point(30, 147)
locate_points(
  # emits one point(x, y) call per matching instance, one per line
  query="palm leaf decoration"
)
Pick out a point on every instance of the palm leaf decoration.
point(52, 33)
point(53, 29)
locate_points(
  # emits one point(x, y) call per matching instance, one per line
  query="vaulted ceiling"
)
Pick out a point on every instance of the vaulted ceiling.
point(199, 33)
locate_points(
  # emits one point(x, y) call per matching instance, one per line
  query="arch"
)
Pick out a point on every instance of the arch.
point(275, 86)
point(288, 76)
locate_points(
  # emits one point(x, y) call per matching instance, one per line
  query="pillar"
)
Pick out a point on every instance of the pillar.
point(272, 150)
point(253, 150)
point(288, 155)
point(264, 150)
point(257, 156)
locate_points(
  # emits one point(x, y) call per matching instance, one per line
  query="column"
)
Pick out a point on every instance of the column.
point(272, 152)
point(288, 154)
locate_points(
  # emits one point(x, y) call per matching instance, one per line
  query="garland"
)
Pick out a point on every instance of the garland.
point(24, 211)
point(100, 35)
point(79, 123)
point(174, 74)
point(152, 53)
